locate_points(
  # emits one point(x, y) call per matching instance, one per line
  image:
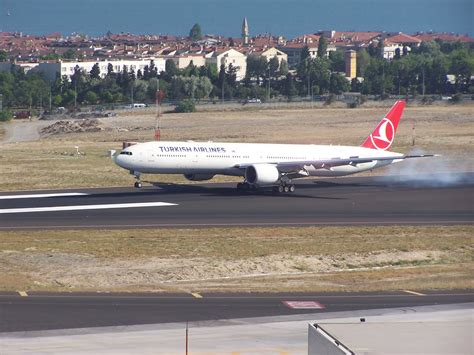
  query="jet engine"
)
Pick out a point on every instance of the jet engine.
point(262, 174)
point(198, 177)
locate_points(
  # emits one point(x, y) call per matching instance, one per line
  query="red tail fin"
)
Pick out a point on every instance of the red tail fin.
point(383, 135)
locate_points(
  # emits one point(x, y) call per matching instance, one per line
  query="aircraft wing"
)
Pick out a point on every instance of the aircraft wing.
point(294, 166)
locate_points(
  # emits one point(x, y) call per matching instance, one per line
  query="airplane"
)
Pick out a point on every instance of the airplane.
point(265, 165)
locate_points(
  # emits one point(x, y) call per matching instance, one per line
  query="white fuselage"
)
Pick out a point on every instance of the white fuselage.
point(224, 158)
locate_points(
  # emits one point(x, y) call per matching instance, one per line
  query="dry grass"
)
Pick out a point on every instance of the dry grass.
point(238, 259)
point(50, 163)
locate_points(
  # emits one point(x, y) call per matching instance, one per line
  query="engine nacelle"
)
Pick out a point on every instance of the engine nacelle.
point(198, 177)
point(262, 174)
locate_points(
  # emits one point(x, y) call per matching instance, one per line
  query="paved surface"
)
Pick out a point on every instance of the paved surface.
point(434, 199)
point(444, 329)
point(423, 330)
point(60, 311)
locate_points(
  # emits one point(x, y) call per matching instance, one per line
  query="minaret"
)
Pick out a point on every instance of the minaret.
point(245, 31)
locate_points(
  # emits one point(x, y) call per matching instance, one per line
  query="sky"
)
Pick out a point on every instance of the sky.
point(279, 17)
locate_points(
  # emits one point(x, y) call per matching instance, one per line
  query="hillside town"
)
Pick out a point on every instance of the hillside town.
point(264, 66)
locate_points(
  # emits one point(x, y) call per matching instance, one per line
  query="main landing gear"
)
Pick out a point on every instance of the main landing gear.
point(282, 188)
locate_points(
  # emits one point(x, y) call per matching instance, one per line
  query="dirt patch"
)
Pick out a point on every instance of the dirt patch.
point(76, 126)
point(84, 271)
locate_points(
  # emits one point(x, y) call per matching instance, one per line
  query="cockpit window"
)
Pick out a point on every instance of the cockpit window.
point(126, 153)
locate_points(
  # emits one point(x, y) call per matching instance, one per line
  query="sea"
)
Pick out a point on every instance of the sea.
point(289, 18)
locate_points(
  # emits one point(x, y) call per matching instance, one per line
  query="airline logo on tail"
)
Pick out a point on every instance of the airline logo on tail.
point(383, 135)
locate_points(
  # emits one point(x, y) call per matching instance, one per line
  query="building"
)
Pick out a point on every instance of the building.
point(351, 64)
point(50, 70)
point(293, 52)
point(269, 53)
point(403, 39)
point(390, 50)
point(227, 57)
point(26, 66)
point(183, 60)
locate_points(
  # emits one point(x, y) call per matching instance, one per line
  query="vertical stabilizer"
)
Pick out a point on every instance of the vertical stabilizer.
point(384, 134)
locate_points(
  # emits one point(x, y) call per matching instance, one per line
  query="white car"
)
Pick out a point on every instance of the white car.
point(253, 101)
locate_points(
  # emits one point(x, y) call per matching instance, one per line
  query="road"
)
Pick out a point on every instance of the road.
point(60, 311)
point(433, 199)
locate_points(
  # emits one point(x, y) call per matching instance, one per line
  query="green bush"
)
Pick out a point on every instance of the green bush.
point(5, 116)
point(185, 106)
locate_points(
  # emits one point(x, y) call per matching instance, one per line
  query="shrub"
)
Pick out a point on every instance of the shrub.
point(5, 116)
point(185, 106)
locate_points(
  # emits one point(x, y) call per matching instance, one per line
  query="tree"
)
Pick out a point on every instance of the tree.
point(91, 98)
point(110, 69)
point(289, 88)
point(3, 56)
point(338, 84)
point(462, 66)
point(153, 70)
point(283, 67)
point(397, 54)
point(95, 71)
point(256, 67)
point(171, 69)
point(221, 80)
point(304, 54)
point(337, 61)
point(69, 54)
point(191, 70)
point(363, 61)
point(231, 75)
point(203, 88)
point(273, 65)
point(322, 47)
point(195, 33)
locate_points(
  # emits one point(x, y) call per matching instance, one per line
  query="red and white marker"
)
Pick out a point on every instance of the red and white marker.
point(303, 304)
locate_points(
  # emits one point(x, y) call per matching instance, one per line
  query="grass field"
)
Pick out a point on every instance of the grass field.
point(238, 259)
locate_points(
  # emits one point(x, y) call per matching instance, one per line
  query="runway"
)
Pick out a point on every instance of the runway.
point(61, 311)
point(431, 199)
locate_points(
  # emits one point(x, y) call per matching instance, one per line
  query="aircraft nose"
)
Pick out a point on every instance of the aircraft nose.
point(121, 160)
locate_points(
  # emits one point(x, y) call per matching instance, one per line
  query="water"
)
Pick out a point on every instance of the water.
point(279, 17)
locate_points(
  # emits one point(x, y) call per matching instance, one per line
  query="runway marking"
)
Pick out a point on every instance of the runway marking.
point(303, 304)
point(66, 194)
point(85, 207)
point(414, 293)
point(195, 294)
point(22, 293)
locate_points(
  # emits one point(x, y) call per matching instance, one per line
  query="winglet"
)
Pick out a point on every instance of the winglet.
point(383, 135)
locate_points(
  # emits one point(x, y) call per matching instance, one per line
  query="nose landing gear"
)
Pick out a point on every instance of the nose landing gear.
point(138, 183)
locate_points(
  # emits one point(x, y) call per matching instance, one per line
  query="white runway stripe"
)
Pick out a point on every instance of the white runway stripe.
point(66, 194)
point(85, 207)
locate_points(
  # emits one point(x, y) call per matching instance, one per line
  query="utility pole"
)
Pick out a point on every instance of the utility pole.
point(423, 79)
point(222, 92)
point(268, 85)
point(187, 338)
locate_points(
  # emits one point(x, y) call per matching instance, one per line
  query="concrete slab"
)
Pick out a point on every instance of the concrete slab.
point(266, 335)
